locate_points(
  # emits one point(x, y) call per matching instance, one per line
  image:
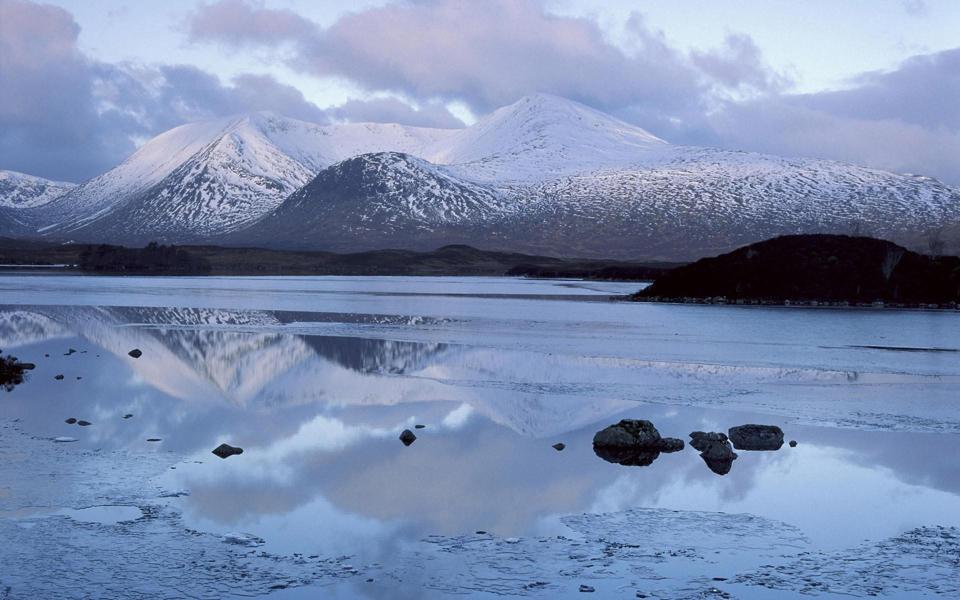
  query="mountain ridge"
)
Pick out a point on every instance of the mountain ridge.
point(543, 175)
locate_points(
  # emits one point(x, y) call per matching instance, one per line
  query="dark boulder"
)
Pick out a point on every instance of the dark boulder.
point(628, 433)
point(135, 353)
point(559, 446)
point(70, 421)
point(756, 437)
point(633, 442)
point(407, 437)
point(226, 450)
point(58, 377)
point(793, 443)
point(82, 423)
point(419, 426)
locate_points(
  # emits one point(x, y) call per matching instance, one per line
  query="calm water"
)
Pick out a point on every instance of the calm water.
point(315, 377)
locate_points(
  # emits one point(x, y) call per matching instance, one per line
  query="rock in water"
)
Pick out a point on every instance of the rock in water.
point(586, 589)
point(628, 433)
point(559, 446)
point(226, 450)
point(756, 437)
point(701, 440)
point(58, 377)
point(70, 421)
point(407, 437)
point(82, 423)
point(719, 455)
point(633, 442)
point(135, 353)
point(793, 443)
point(419, 426)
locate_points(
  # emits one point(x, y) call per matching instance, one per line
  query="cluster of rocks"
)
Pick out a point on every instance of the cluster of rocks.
point(633, 442)
point(715, 450)
point(637, 442)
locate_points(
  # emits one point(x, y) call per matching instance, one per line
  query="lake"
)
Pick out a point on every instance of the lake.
point(315, 378)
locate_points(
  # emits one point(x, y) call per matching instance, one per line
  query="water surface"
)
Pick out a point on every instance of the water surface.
point(315, 378)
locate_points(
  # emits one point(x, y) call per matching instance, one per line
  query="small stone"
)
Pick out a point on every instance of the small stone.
point(69, 352)
point(481, 532)
point(135, 353)
point(407, 437)
point(58, 377)
point(79, 378)
point(70, 421)
point(127, 416)
point(793, 443)
point(559, 446)
point(84, 423)
point(160, 440)
point(419, 426)
point(587, 589)
point(226, 450)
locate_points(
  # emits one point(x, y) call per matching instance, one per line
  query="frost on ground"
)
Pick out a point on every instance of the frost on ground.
point(655, 552)
point(923, 561)
point(48, 555)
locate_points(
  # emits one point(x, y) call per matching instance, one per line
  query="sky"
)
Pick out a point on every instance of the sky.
point(872, 82)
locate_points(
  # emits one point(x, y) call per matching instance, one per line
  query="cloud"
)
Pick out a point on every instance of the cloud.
point(486, 54)
point(239, 23)
point(905, 120)
point(391, 110)
point(739, 64)
point(65, 116)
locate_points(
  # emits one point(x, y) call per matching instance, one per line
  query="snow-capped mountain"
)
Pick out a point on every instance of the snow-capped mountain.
point(19, 194)
point(379, 198)
point(18, 190)
point(206, 178)
point(542, 175)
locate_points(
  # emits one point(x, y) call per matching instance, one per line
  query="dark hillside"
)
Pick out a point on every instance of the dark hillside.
point(832, 268)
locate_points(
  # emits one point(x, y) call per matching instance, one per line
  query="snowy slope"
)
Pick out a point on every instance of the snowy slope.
point(379, 198)
point(18, 190)
point(542, 137)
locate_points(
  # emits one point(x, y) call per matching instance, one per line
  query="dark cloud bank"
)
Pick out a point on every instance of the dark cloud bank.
point(65, 116)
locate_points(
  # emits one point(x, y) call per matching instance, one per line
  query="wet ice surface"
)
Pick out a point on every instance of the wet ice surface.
point(316, 377)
